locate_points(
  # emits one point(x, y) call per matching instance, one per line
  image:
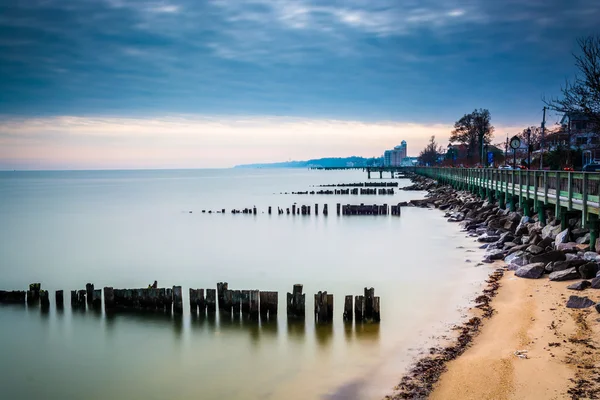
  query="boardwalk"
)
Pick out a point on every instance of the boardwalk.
point(573, 192)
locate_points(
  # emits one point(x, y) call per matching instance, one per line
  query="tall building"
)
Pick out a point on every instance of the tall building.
point(394, 157)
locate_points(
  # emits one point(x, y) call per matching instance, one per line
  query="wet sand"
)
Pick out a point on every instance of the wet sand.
point(562, 347)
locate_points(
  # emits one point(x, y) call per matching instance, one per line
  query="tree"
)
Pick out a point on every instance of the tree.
point(582, 96)
point(431, 153)
point(474, 130)
point(536, 136)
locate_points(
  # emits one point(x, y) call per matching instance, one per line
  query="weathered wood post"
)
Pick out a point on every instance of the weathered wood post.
point(109, 298)
point(245, 300)
point(254, 303)
point(177, 300)
point(269, 210)
point(81, 298)
point(296, 302)
point(211, 300)
point(97, 299)
point(268, 304)
point(348, 308)
point(201, 302)
point(169, 300)
point(293, 209)
point(221, 288)
point(194, 301)
point(59, 297)
point(227, 301)
point(89, 292)
point(254, 210)
point(359, 308)
point(236, 300)
point(33, 294)
point(376, 313)
point(338, 205)
point(44, 299)
point(323, 307)
point(369, 294)
point(316, 209)
point(73, 298)
point(325, 209)
point(13, 296)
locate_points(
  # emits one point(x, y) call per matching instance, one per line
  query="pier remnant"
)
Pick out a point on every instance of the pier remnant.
point(194, 301)
point(44, 299)
point(236, 299)
point(245, 301)
point(254, 304)
point(33, 294)
point(268, 304)
point(221, 288)
point(348, 308)
point(13, 296)
point(367, 307)
point(323, 307)
point(359, 308)
point(89, 292)
point(109, 298)
point(211, 300)
point(59, 298)
point(177, 300)
point(325, 209)
point(97, 299)
point(296, 302)
point(201, 302)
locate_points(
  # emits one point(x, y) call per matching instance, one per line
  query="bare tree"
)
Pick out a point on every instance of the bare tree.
point(473, 130)
point(430, 154)
point(583, 94)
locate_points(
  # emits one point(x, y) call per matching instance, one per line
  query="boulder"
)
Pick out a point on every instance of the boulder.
point(535, 228)
point(585, 239)
point(506, 237)
point(579, 232)
point(570, 247)
point(595, 283)
point(535, 239)
point(525, 239)
point(508, 245)
point(487, 238)
point(564, 275)
point(562, 237)
point(509, 258)
point(533, 249)
point(591, 256)
point(579, 302)
point(522, 228)
point(495, 254)
point(581, 285)
point(562, 265)
point(589, 270)
point(545, 243)
point(554, 255)
point(518, 247)
point(531, 271)
point(511, 225)
point(597, 307)
point(550, 231)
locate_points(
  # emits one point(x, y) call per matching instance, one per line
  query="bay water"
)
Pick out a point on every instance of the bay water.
point(128, 228)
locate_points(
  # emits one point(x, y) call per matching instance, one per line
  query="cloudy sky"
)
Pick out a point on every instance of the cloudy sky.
point(191, 83)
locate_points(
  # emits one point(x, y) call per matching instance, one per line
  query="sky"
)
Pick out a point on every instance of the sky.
point(92, 84)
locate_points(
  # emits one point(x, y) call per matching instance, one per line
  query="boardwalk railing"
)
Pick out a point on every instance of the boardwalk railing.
point(570, 191)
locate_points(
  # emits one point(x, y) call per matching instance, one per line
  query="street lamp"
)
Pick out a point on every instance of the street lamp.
point(529, 148)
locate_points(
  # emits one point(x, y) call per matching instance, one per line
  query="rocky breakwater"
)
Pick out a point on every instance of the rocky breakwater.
point(530, 248)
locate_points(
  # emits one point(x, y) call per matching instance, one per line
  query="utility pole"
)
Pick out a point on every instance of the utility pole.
point(542, 141)
point(506, 150)
point(569, 144)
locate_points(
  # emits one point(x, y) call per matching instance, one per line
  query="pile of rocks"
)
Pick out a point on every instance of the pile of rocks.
point(530, 248)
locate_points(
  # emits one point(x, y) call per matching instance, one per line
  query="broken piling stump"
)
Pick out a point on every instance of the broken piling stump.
point(13, 296)
point(59, 298)
point(33, 294)
point(97, 299)
point(177, 300)
point(236, 299)
point(348, 308)
point(296, 302)
point(359, 308)
point(268, 305)
point(89, 292)
point(201, 302)
point(254, 304)
point(193, 301)
point(211, 300)
point(44, 299)
point(323, 307)
point(227, 301)
point(109, 298)
point(221, 288)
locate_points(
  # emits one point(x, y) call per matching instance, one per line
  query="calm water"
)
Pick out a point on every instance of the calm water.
point(128, 228)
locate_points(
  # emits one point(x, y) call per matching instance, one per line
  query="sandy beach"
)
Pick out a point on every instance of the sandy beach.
point(561, 346)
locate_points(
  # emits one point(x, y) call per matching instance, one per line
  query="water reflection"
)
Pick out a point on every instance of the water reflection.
point(323, 333)
point(366, 331)
point(296, 328)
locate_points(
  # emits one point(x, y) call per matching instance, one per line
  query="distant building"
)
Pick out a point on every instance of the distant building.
point(394, 157)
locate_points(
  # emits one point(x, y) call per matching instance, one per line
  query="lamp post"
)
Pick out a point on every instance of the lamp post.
point(451, 152)
point(485, 152)
point(529, 148)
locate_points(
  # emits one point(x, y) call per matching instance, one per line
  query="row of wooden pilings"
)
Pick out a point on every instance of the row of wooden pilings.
point(249, 302)
point(355, 192)
point(346, 209)
point(362, 184)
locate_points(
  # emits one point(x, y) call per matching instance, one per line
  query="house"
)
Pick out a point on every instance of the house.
point(583, 135)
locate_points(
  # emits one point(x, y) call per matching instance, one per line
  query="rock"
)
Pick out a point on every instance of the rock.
point(588, 271)
point(582, 285)
point(492, 255)
point(570, 247)
point(562, 237)
point(487, 238)
point(595, 283)
point(511, 225)
point(591, 256)
point(553, 255)
point(579, 232)
point(518, 247)
point(535, 228)
point(519, 262)
point(545, 243)
point(585, 239)
point(484, 246)
point(508, 245)
point(579, 302)
point(562, 265)
point(564, 275)
point(550, 231)
point(506, 237)
point(523, 225)
point(533, 249)
point(535, 239)
point(525, 239)
point(531, 271)
point(597, 244)
point(509, 258)
point(598, 308)
point(573, 256)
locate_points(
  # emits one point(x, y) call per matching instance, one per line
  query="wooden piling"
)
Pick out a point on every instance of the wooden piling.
point(296, 302)
point(348, 308)
point(33, 294)
point(194, 301)
point(211, 300)
point(338, 205)
point(109, 298)
point(245, 300)
point(376, 312)
point(268, 304)
point(13, 296)
point(369, 294)
point(221, 288)
point(201, 302)
point(359, 308)
point(169, 300)
point(254, 304)
point(73, 298)
point(325, 209)
point(177, 300)
point(59, 298)
point(89, 292)
point(269, 210)
point(97, 299)
point(44, 299)
point(323, 307)
point(293, 209)
point(316, 209)
point(236, 299)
